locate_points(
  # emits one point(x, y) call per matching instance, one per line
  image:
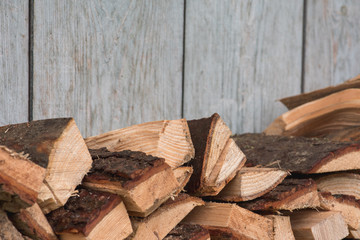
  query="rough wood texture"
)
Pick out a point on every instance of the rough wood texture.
point(108, 64)
point(159, 223)
point(289, 195)
point(331, 55)
point(251, 183)
point(170, 140)
point(32, 222)
point(282, 227)
point(8, 231)
point(311, 224)
point(229, 46)
point(57, 145)
point(182, 175)
point(298, 154)
point(143, 181)
point(355, 234)
point(225, 220)
point(20, 180)
point(14, 66)
point(188, 232)
point(91, 215)
point(340, 184)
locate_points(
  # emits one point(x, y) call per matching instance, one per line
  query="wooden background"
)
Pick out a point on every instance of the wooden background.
point(111, 64)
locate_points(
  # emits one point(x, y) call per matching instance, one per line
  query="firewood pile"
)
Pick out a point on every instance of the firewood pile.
point(188, 179)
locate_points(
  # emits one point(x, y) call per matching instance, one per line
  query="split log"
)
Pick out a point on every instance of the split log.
point(347, 205)
point(182, 175)
point(164, 219)
point(311, 224)
point(282, 227)
point(251, 183)
point(91, 215)
point(299, 154)
point(297, 100)
point(229, 221)
point(188, 232)
point(209, 136)
point(144, 182)
point(54, 144)
point(289, 195)
point(354, 234)
point(7, 229)
point(345, 134)
point(32, 222)
point(168, 139)
point(20, 180)
point(340, 184)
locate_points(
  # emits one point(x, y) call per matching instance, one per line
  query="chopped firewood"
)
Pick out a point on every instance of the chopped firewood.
point(188, 232)
point(144, 182)
point(311, 224)
point(289, 195)
point(209, 136)
point(168, 139)
point(7, 229)
point(340, 184)
point(182, 175)
point(251, 183)
point(54, 144)
point(354, 234)
point(282, 227)
point(319, 117)
point(299, 154)
point(229, 221)
point(32, 222)
point(20, 180)
point(231, 160)
point(347, 205)
point(91, 215)
point(295, 101)
point(345, 134)
point(159, 223)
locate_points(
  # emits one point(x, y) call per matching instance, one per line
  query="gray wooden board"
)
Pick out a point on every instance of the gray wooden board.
point(241, 56)
point(109, 64)
point(13, 61)
point(332, 49)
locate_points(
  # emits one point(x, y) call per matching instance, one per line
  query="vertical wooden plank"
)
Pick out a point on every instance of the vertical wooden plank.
point(109, 64)
point(332, 49)
point(14, 39)
point(241, 56)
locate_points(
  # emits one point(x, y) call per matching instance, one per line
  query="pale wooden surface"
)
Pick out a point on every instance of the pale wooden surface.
point(240, 56)
point(109, 64)
point(332, 52)
point(13, 61)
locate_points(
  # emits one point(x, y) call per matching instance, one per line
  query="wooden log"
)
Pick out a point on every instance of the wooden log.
point(289, 195)
point(7, 229)
point(354, 234)
point(144, 182)
point(229, 221)
point(54, 144)
point(188, 232)
point(168, 139)
point(91, 215)
point(299, 154)
point(20, 180)
point(348, 206)
point(345, 134)
point(340, 184)
point(182, 175)
point(32, 222)
point(164, 219)
point(312, 224)
point(209, 136)
point(251, 183)
point(282, 227)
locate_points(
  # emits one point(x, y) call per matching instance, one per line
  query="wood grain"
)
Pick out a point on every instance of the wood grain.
point(332, 52)
point(240, 56)
point(109, 64)
point(14, 61)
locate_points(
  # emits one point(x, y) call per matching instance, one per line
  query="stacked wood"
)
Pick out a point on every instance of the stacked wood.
point(282, 227)
point(343, 183)
point(188, 232)
point(7, 229)
point(57, 146)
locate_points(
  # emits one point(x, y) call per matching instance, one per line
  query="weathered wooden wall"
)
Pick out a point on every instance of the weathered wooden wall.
point(110, 64)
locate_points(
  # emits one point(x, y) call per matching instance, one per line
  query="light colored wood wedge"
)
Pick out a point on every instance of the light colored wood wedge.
point(282, 227)
point(311, 224)
point(54, 144)
point(251, 183)
point(340, 183)
point(168, 139)
point(182, 175)
point(7, 229)
point(229, 221)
